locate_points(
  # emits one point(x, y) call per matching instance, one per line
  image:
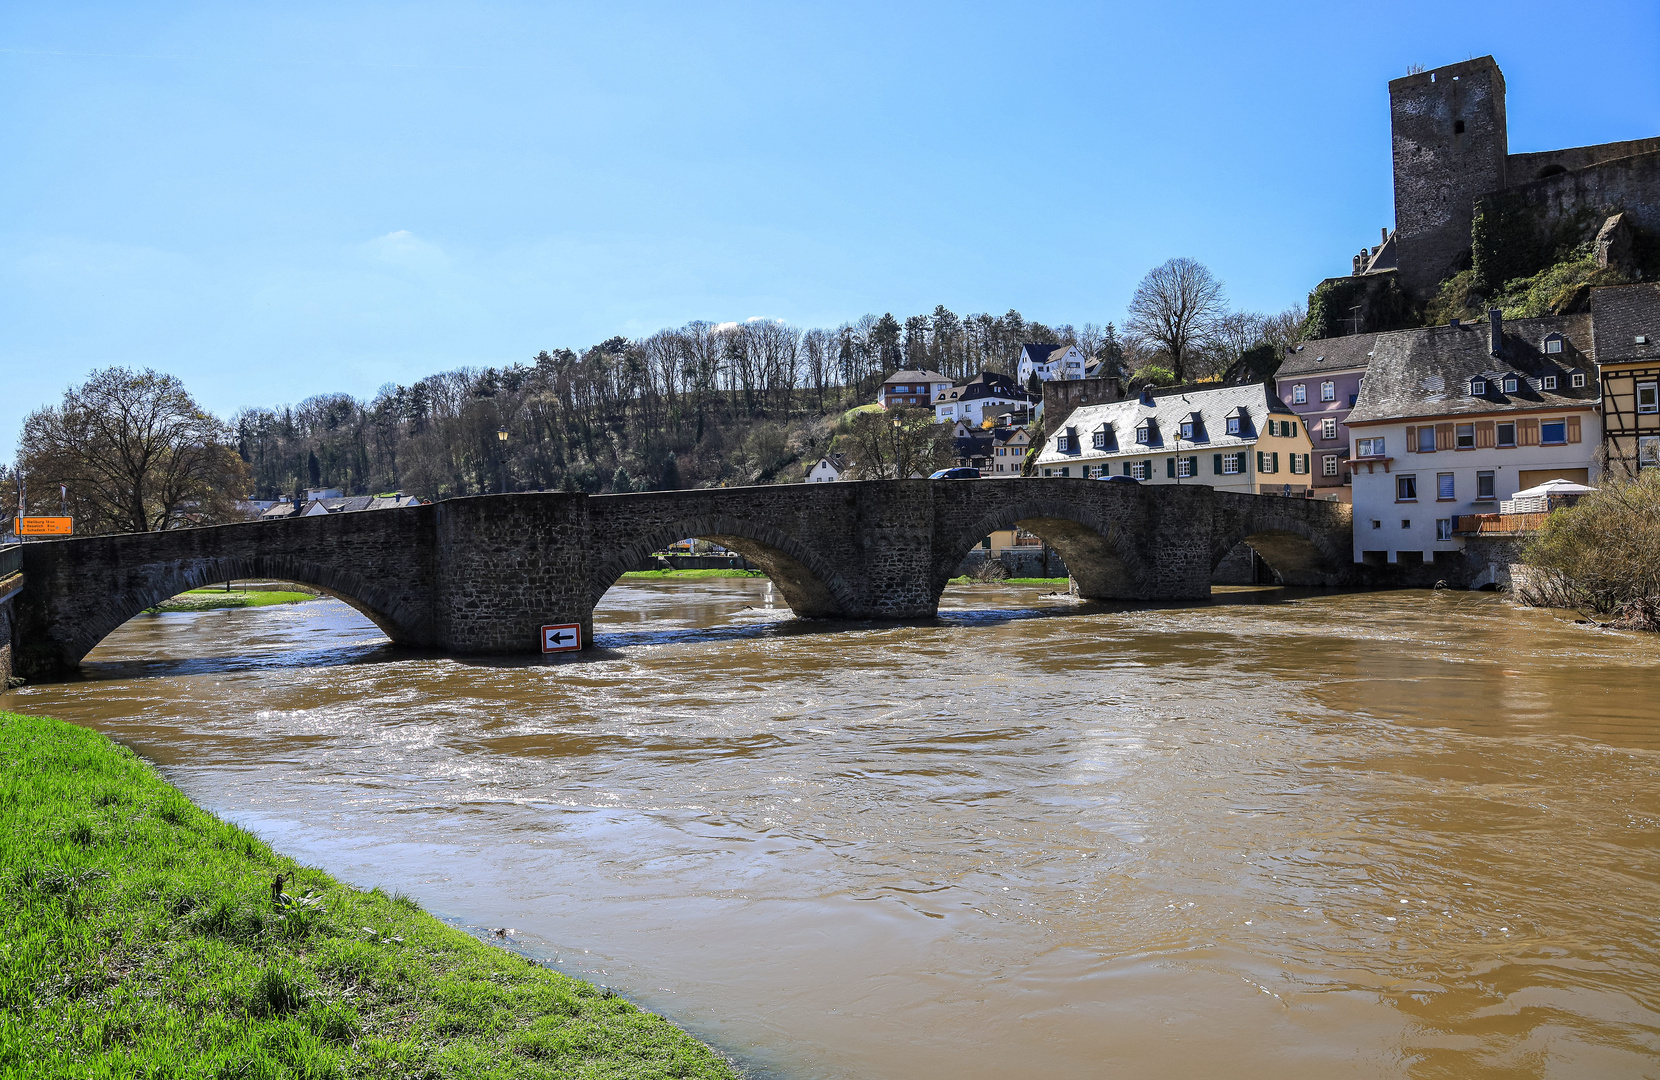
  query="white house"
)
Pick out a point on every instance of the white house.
point(828, 469)
point(1235, 438)
point(1452, 420)
point(970, 402)
point(1049, 363)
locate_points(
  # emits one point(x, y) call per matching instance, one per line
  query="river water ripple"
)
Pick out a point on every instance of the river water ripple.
point(1288, 835)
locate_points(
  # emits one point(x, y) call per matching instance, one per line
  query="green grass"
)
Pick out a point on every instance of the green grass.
point(676, 575)
point(213, 599)
point(139, 937)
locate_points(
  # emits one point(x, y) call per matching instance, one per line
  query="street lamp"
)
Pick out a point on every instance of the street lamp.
point(501, 456)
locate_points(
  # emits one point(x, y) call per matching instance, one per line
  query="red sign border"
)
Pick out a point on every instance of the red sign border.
point(562, 648)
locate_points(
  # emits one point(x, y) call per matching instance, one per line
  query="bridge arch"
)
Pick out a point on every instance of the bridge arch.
point(1092, 543)
point(807, 582)
point(1299, 553)
point(384, 607)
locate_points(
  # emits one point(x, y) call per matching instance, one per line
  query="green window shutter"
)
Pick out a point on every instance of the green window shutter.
point(1276, 467)
point(1216, 464)
point(1262, 461)
point(1126, 468)
point(1170, 467)
point(1193, 465)
point(1242, 460)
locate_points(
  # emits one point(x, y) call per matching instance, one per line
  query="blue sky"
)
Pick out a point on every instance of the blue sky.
point(278, 200)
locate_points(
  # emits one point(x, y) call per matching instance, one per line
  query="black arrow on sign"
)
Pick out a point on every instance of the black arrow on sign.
point(558, 638)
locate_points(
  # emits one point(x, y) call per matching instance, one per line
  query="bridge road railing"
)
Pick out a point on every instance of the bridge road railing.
point(11, 560)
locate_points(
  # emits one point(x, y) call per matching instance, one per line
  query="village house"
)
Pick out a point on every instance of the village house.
point(989, 390)
point(1626, 335)
point(912, 388)
point(1234, 438)
point(332, 502)
point(1320, 381)
point(1451, 420)
point(1049, 362)
point(828, 469)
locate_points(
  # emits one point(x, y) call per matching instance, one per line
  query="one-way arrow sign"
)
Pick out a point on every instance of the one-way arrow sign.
point(565, 637)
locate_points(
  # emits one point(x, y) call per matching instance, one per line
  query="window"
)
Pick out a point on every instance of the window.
point(1328, 465)
point(1328, 391)
point(1100, 438)
point(1231, 463)
point(1406, 523)
point(1507, 433)
point(1187, 429)
point(1142, 470)
point(1406, 489)
point(1553, 345)
point(1550, 382)
point(1426, 440)
point(1443, 528)
point(1648, 397)
point(1648, 452)
point(1484, 487)
point(1062, 443)
point(1369, 447)
point(1299, 394)
point(1048, 472)
point(1184, 466)
point(1233, 425)
point(1328, 429)
point(1510, 384)
point(1478, 387)
point(1143, 433)
point(1444, 487)
point(1465, 437)
point(1376, 524)
point(1553, 432)
point(1578, 379)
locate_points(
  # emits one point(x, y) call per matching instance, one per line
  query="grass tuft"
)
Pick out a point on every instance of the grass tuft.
point(141, 936)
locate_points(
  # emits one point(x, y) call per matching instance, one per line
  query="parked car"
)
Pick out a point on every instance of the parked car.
point(1117, 478)
point(959, 473)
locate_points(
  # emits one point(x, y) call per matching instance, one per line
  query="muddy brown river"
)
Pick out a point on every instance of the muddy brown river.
point(1281, 835)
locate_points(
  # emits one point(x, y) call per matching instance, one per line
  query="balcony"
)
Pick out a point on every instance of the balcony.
point(1497, 524)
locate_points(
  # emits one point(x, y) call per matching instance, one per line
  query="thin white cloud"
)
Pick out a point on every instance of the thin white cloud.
point(404, 249)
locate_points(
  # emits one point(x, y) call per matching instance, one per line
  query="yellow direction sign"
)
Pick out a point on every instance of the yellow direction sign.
point(42, 526)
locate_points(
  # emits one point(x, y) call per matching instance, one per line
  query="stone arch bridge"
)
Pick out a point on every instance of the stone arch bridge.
point(482, 575)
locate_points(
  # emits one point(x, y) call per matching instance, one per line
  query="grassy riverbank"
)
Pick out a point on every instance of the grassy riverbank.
point(139, 936)
point(214, 599)
point(1051, 582)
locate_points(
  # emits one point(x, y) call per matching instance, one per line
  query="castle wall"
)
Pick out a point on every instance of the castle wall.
point(1450, 144)
point(1525, 168)
point(1525, 224)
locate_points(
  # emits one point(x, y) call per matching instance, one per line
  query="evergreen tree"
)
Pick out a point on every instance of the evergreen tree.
point(622, 483)
point(670, 479)
point(885, 336)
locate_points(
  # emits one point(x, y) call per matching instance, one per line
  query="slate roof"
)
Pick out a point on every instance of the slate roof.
point(1168, 411)
point(1419, 373)
point(911, 375)
point(1039, 352)
point(1621, 314)
point(1326, 355)
point(984, 385)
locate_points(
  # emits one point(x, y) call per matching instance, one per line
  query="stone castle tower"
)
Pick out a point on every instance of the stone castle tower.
point(1450, 146)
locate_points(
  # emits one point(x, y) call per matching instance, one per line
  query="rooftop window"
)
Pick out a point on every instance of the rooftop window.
point(1478, 387)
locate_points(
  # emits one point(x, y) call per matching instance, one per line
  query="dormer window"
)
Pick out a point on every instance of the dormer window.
point(1478, 387)
point(1187, 429)
point(1103, 437)
point(1510, 384)
point(1553, 344)
point(1233, 425)
point(1144, 433)
point(1578, 380)
point(1550, 382)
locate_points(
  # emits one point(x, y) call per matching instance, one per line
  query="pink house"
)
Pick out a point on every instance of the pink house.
point(1320, 380)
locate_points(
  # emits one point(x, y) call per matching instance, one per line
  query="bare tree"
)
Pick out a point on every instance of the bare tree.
point(1285, 329)
point(1231, 336)
point(1175, 309)
point(136, 453)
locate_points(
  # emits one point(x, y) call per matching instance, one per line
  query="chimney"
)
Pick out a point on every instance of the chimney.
point(1146, 395)
point(1495, 329)
point(1383, 231)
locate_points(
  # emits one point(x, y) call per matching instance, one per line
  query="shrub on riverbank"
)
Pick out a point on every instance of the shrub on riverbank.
point(141, 936)
point(214, 599)
point(1601, 556)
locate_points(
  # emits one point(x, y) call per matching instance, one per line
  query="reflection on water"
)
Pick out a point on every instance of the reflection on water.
point(1401, 834)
